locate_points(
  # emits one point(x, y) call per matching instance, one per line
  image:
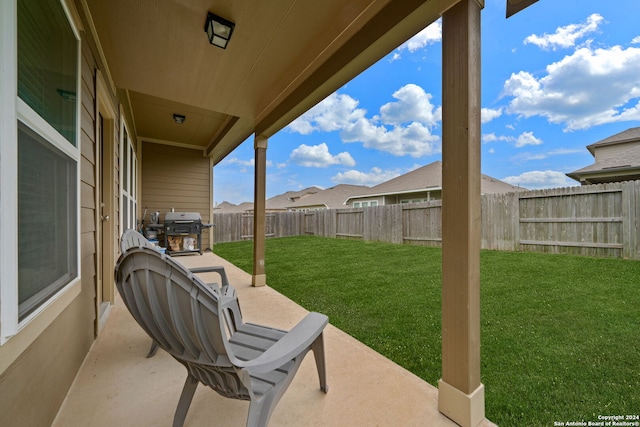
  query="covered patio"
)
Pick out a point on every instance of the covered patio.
point(117, 385)
point(155, 107)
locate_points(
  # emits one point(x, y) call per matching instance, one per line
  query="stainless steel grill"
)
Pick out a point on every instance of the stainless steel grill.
point(182, 225)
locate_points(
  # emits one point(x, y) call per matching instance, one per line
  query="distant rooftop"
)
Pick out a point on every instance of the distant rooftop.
point(279, 202)
point(331, 198)
point(429, 177)
point(617, 159)
point(629, 135)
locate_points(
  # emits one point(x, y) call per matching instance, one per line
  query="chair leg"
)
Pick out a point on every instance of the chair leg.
point(318, 352)
point(188, 391)
point(153, 349)
point(260, 410)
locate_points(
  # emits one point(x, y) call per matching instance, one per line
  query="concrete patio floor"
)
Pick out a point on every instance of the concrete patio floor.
point(118, 386)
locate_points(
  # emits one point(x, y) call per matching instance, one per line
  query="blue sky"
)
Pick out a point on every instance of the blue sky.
point(555, 78)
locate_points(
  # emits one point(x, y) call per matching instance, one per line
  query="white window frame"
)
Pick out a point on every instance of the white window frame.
point(125, 168)
point(10, 113)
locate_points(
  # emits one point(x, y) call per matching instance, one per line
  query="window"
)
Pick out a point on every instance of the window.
point(356, 204)
point(129, 181)
point(40, 194)
point(48, 64)
point(47, 232)
point(374, 203)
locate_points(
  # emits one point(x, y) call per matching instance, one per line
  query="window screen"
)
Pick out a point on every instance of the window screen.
point(47, 231)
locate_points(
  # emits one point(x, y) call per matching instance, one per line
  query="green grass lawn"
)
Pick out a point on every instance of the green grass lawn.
point(560, 334)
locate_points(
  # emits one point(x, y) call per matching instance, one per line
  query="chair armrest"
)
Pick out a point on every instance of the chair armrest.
point(216, 268)
point(289, 346)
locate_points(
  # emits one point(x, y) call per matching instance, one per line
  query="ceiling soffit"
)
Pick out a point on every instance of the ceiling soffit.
point(283, 58)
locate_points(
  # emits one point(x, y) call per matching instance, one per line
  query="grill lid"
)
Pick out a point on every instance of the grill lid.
point(182, 216)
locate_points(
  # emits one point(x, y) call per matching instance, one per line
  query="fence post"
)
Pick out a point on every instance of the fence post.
point(515, 220)
point(397, 225)
point(630, 220)
point(370, 219)
point(331, 223)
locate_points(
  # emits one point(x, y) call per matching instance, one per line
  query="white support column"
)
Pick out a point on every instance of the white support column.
point(259, 277)
point(461, 394)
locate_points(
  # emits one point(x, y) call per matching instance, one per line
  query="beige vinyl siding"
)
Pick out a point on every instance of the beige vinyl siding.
point(608, 151)
point(178, 178)
point(36, 383)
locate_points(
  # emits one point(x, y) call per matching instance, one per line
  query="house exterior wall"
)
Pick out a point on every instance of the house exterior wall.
point(178, 178)
point(367, 201)
point(422, 196)
point(308, 208)
point(35, 383)
point(392, 199)
point(608, 151)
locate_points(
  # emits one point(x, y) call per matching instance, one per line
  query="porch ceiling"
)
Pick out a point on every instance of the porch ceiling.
point(284, 57)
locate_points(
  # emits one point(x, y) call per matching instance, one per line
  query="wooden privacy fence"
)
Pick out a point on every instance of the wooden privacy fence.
point(595, 220)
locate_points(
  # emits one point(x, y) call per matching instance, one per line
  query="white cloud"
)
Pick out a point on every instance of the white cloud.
point(414, 140)
point(540, 179)
point(318, 156)
point(244, 166)
point(527, 138)
point(375, 177)
point(492, 137)
point(240, 162)
point(567, 36)
point(528, 156)
point(488, 114)
point(524, 139)
point(413, 105)
point(430, 35)
point(636, 40)
point(402, 128)
point(563, 151)
point(585, 89)
point(331, 114)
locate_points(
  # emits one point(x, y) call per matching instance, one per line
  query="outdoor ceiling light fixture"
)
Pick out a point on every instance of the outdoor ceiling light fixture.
point(218, 30)
point(179, 118)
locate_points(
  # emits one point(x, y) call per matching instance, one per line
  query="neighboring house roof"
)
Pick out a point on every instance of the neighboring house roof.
point(618, 164)
point(283, 201)
point(429, 178)
point(279, 202)
point(226, 207)
point(426, 178)
point(629, 135)
point(625, 165)
point(490, 185)
point(331, 198)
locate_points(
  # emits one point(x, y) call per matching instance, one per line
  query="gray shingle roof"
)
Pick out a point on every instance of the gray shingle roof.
point(430, 177)
point(332, 198)
point(625, 160)
point(622, 161)
point(625, 136)
point(282, 201)
point(279, 202)
point(423, 178)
